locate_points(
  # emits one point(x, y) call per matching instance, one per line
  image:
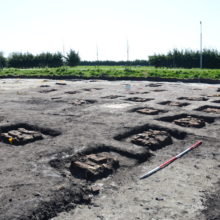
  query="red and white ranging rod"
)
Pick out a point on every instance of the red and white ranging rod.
point(198, 143)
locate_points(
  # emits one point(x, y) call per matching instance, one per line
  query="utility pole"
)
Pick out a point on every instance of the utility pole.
point(97, 54)
point(64, 52)
point(127, 51)
point(200, 44)
point(127, 55)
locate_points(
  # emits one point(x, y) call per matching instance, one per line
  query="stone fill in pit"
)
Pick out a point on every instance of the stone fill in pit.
point(138, 99)
point(185, 120)
point(95, 163)
point(154, 85)
point(20, 136)
point(153, 139)
point(210, 109)
point(45, 86)
point(93, 166)
point(48, 90)
point(214, 95)
point(159, 90)
point(193, 98)
point(190, 122)
point(149, 111)
point(72, 92)
point(173, 103)
point(112, 97)
point(82, 102)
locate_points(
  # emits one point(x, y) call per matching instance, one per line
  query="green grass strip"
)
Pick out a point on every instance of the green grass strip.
point(113, 72)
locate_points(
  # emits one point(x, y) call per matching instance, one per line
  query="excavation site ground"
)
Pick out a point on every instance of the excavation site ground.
point(75, 149)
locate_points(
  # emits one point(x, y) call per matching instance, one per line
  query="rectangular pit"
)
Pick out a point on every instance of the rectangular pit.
point(138, 99)
point(209, 109)
point(21, 134)
point(159, 90)
point(72, 92)
point(148, 111)
point(112, 97)
point(82, 102)
point(151, 137)
point(215, 95)
point(47, 90)
point(216, 101)
point(96, 161)
point(94, 166)
point(185, 120)
point(154, 85)
point(173, 103)
point(193, 98)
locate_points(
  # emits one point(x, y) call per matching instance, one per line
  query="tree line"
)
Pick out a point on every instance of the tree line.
point(28, 60)
point(186, 59)
point(114, 63)
point(173, 59)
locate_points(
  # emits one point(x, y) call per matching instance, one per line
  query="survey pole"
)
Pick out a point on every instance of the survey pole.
point(201, 44)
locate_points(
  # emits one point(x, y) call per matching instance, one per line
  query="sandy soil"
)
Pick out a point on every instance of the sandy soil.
point(74, 119)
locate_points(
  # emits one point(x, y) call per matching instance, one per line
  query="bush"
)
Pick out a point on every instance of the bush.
point(72, 58)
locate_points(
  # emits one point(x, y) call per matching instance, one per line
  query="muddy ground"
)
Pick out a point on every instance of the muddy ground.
point(76, 149)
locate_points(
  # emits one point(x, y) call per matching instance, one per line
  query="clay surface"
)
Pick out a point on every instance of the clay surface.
point(75, 149)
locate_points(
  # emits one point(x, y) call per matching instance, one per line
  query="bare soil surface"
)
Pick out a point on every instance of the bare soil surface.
point(75, 149)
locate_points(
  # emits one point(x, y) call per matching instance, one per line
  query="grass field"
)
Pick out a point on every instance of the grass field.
point(113, 72)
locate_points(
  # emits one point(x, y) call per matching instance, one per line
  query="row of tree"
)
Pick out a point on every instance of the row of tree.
point(114, 63)
point(186, 59)
point(175, 58)
point(28, 60)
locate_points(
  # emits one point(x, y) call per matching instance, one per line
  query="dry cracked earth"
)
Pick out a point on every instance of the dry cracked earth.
point(75, 149)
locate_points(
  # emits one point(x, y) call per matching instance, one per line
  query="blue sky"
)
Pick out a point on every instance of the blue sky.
point(150, 26)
